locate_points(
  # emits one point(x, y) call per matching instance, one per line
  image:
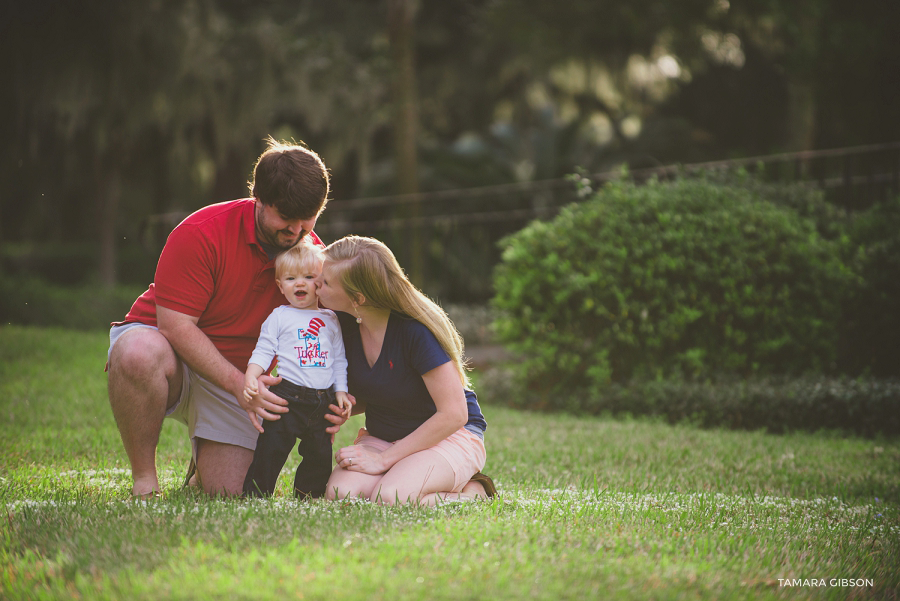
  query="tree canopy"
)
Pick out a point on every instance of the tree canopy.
point(116, 111)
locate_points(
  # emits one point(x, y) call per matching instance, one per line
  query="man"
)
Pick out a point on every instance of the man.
point(182, 350)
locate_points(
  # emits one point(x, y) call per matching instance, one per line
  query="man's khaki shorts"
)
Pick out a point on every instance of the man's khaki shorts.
point(208, 411)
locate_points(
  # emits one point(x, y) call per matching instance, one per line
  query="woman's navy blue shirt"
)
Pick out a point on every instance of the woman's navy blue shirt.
point(397, 400)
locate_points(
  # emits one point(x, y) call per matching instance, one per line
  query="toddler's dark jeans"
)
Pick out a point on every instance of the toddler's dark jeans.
point(304, 420)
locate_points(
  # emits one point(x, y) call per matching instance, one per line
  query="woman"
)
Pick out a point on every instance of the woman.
point(423, 440)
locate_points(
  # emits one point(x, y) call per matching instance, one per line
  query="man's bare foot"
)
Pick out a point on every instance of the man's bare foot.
point(147, 496)
point(145, 488)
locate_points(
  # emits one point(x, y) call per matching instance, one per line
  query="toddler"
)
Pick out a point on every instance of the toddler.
point(311, 361)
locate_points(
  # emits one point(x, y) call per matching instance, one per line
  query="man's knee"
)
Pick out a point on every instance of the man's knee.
point(143, 364)
point(142, 352)
point(222, 467)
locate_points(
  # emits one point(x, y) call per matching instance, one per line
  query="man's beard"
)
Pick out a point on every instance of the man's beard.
point(270, 237)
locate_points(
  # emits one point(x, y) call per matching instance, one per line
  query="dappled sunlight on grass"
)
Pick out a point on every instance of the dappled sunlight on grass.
point(588, 508)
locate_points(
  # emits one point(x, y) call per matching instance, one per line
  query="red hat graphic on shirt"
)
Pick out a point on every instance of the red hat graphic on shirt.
point(314, 325)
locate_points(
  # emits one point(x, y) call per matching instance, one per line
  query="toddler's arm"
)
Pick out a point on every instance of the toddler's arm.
point(251, 387)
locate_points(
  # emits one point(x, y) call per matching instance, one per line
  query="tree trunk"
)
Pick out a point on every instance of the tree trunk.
point(110, 190)
point(401, 16)
point(231, 180)
point(801, 126)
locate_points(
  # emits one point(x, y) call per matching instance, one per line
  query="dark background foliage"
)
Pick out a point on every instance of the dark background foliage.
point(449, 125)
point(119, 117)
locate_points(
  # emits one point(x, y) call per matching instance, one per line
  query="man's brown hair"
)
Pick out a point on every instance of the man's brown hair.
point(291, 178)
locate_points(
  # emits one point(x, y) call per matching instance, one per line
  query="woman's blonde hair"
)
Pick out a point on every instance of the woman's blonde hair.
point(365, 266)
point(305, 255)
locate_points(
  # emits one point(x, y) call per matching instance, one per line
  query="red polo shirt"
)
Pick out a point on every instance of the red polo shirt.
point(213, 268)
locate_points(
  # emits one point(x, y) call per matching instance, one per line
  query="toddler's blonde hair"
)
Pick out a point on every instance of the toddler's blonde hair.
point(304, 256)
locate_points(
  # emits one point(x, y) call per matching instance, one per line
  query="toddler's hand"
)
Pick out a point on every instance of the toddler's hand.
point(251, 389)
point(344, 403)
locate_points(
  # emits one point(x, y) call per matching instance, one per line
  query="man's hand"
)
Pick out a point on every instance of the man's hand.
point(197, 350)
point(264, 404)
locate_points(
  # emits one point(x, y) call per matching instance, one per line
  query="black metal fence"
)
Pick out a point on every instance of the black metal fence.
point(459, 230)
point(853, 178)
point(451, 237)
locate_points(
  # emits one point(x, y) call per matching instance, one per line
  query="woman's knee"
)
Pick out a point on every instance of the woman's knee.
point(397, 495)
point(332, 492)
point(414, 477)
point(344, 484)
point(342, 493)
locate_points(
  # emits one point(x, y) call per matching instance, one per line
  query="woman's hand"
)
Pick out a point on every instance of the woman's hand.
point(361, 459)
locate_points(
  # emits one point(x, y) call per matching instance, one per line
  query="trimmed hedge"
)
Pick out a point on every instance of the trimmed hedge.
point(804, 198)
point(871, 325)
point(688, 279)
point(864, 407)
point(32, 301)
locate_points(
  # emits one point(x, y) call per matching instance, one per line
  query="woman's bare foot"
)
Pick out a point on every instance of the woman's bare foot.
point(474, 490)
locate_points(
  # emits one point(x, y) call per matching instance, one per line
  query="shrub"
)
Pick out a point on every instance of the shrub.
point(871, 327)
point(74, 264)
point(31, 301)
point(690, 279)
point(867, 407)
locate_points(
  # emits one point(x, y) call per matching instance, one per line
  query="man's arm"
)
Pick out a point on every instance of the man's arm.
point(197, 350)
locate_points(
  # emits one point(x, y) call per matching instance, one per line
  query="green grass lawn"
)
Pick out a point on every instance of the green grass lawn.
point(589, 508)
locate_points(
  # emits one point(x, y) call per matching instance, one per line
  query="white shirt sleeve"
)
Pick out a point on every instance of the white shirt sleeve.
point(339, 366)
point(267, 345)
